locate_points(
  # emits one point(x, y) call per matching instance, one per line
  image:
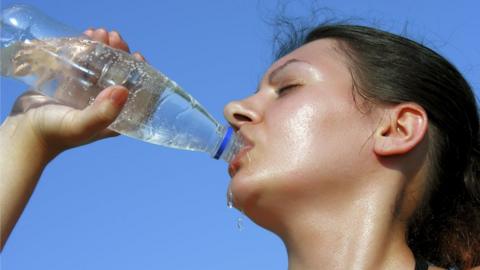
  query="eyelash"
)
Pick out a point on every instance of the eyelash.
point(281, 91)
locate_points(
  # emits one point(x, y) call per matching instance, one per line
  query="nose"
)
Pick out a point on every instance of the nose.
point(241, 112)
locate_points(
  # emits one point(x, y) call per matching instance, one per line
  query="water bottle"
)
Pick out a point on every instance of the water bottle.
point(64, 64)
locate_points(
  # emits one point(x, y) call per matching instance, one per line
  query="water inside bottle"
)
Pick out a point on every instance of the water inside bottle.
point(51, 66)
point(75, 70)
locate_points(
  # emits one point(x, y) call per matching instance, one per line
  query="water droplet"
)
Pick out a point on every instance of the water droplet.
point(230, 198)
point(240, 224)
point(91, 100)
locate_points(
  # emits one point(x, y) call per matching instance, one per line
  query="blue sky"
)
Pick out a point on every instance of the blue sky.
point(125, 204)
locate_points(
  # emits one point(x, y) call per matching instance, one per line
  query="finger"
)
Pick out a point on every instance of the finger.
point(103, 134)
point(106, 133)
point(100, 35)
point(92, 120)
point(117, 42)
point(30, 100)
point(138, 56)
point(88, 32)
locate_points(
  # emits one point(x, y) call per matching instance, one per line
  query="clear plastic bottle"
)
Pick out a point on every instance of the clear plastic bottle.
point(65, 65)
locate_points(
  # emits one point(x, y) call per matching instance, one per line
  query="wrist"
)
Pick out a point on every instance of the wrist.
point(19, 140)
point(22, 161)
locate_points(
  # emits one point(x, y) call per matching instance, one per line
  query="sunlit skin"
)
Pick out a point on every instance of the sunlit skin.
point(38, 129)
point(335, 181)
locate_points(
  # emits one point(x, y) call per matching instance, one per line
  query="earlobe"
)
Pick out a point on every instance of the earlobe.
point(404, 129)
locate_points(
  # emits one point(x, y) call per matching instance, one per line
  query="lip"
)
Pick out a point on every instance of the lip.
point(236, 163)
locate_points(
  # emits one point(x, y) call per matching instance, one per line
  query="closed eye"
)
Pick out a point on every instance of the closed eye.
point(283, 90)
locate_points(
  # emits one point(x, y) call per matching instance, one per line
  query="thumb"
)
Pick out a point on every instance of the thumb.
point(104, 110)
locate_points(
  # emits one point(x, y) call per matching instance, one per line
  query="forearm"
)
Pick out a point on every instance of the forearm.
point(22, 160)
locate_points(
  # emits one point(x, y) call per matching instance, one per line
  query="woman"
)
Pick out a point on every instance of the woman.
point(362, 152)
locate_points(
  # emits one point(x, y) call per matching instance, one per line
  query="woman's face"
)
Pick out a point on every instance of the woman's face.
point(308, 141)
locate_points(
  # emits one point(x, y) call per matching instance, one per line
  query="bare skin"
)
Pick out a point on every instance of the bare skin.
point(38, 130)
point(337, 185)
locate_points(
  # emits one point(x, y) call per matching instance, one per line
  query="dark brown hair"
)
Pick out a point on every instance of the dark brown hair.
point(388, 68)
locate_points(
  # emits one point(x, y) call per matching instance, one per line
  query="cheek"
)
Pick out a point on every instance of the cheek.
point(305, 148)
point(285, 140)
point(298, 136)
point(317, 142)
point(290, 150)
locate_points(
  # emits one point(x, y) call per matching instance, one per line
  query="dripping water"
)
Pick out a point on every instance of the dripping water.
point(240, 223)
point(229, 199)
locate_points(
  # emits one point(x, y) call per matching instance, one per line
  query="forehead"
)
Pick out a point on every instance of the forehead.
point(323, 54)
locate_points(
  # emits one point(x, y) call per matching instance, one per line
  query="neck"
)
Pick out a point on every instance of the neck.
point(362, 234)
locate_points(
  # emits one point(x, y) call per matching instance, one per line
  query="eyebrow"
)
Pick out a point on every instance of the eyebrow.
point(280, 68)
point(274, 73)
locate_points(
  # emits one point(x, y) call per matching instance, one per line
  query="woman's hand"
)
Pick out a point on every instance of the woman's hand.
point(56, 127)
point(39, 128)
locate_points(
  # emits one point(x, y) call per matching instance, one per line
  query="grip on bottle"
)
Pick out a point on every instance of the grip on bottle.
point(224, 143)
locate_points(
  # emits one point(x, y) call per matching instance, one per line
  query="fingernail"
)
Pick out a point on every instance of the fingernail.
point(116, 33)
point(89, 31)
point(139, 56)
point(101, 31)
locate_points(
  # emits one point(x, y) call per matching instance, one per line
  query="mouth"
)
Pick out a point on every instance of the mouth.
point(236, 163)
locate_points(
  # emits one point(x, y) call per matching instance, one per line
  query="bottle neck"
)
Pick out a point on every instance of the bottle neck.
point(229, 146)
point(223, 145)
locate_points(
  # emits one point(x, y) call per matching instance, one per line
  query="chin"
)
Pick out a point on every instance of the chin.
point(256, 190)
point(257, 199)
point(245, 191)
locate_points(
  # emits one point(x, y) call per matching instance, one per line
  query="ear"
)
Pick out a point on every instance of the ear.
point(401, 130)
